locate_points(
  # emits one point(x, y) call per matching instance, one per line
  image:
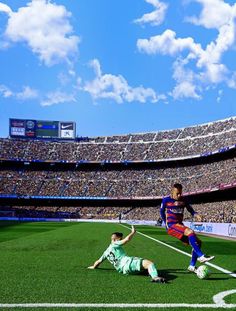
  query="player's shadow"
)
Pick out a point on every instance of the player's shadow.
point(167, 274)
point(213, 277)
point(106, 270)
point(110, 269)
point(163, 273)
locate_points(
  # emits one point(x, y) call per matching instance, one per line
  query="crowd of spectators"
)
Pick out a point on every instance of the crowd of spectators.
point(118, 183)
point(216, 212)
point(148, 146)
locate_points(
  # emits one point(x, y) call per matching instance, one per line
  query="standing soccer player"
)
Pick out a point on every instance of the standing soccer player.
point(126, 264)
point(172, 210)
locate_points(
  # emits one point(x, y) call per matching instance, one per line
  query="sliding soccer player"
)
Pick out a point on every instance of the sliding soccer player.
point(172, 210)
point(116, 255)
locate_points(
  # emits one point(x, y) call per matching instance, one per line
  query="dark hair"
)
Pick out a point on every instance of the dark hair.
point(118, 234)
point(177, 186)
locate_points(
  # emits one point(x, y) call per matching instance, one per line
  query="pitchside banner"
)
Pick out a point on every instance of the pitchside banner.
point(221, 229)
point(224, 229)
point(41, 129)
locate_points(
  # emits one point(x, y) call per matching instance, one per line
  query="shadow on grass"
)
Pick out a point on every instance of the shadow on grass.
point(11, 230)
point(8, 223)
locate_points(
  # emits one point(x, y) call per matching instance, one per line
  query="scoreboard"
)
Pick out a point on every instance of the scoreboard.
point(19, 128)
point(47, 129)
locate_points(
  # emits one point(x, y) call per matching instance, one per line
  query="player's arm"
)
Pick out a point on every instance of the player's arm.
point(128, 237)
point(96, 264)
point(163, 211)
point(196, 216)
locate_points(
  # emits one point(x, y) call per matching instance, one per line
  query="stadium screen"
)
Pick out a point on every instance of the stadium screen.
point(47, 129)
point(41, 129)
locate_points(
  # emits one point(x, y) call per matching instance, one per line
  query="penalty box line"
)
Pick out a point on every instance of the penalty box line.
point(184, 253)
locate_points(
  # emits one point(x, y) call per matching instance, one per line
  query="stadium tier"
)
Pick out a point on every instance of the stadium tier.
point(138, 168)
point(186, 142)
point(120, 182)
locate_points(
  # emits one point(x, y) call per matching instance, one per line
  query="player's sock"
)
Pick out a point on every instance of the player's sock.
point(152, 271)
point(193, 242)
point(193, 259)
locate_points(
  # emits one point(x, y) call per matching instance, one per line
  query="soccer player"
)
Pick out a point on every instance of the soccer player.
point(172, 209)
point(126, 264)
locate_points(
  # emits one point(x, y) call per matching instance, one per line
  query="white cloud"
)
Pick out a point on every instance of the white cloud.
point(5, 91)
point(185, 81)
point(156, 17)
point(167, 44)
point(57, 97)
point(220, 94)
point(45, 27)
point(185, 89)
point(5, 8)
point(207, 63)
point(232, 81)
point(117, 88)
point(215, 14)
point(26, 93)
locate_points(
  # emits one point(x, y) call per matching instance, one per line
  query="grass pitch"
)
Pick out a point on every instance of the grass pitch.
point(47, 263)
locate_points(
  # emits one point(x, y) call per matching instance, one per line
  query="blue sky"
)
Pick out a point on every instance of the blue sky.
point(116, 67)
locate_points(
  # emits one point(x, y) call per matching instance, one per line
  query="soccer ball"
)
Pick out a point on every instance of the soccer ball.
point(203, 272)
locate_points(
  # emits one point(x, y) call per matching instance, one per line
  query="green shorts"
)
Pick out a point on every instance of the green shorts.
point(133, 265)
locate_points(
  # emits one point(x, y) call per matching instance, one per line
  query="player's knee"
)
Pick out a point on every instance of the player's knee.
point(146, 263)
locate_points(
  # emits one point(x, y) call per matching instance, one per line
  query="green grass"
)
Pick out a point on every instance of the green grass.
point(47, 262)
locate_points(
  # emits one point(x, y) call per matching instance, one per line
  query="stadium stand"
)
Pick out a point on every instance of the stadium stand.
point(202, 158)
point(184, 142)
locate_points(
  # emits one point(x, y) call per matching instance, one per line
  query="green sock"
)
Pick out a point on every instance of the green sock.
point(152, 271)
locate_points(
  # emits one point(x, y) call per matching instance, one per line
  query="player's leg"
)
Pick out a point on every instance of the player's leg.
point(192, 238)
point(152, 271)
point(192, 266)
point(187, 236)
point(196, 246)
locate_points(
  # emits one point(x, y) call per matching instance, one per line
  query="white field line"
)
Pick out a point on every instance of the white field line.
point(116, 305)
point(186, 254)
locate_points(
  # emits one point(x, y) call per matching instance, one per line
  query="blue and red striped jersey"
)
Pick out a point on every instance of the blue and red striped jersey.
point(172, 211)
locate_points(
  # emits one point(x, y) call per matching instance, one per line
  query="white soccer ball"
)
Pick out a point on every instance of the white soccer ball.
point(203, 272)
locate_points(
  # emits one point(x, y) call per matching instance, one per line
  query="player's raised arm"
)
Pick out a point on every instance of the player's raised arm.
point(128, 237)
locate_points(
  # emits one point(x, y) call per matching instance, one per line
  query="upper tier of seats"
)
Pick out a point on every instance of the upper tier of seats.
point(184, 142)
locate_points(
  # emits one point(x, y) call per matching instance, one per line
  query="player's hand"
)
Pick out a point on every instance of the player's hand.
point(133, 230)
point(91, 267)
point(197, 217)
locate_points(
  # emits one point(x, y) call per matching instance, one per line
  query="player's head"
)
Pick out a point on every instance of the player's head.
point(116, 236)
point(176, 191)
